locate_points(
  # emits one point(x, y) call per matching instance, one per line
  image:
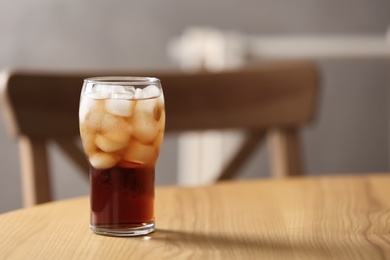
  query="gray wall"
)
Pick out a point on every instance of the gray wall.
point(351, 134)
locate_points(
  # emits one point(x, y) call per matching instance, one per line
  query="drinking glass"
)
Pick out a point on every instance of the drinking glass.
point(122, 122)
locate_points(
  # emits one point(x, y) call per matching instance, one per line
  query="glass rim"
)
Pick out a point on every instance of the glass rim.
point(122, 80)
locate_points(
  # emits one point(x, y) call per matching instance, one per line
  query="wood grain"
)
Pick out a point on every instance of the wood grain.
point(298, 218)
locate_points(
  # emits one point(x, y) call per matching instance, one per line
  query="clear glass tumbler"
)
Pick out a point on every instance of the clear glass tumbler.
point(122, 122)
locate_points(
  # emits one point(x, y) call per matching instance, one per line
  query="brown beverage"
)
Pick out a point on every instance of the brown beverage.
point(122, 197)
point(122, 130)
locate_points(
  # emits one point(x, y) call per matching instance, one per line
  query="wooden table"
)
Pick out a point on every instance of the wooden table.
point(344, 217)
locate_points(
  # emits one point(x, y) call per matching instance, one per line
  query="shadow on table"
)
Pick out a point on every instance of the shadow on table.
point(247, 242)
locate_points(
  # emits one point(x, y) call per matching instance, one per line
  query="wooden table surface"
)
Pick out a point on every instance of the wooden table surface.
point(345, 217)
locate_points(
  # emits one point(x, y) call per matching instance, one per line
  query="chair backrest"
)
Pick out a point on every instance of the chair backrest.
point(273, 100)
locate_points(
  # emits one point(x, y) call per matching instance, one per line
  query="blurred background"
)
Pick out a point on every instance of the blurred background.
point(351, 134)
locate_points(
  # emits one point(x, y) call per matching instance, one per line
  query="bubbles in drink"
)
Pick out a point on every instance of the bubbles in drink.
point(122, 124)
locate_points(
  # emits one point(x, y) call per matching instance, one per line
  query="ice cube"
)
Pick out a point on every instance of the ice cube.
point(88, 140)
point(120, 135)
point(138, 93)
point(113, 123)
point(126, 92)
point(140, 153)
point(145, 128)
point(100, 92)
point(120, 107)
point(117, 89)
point(94, 119)
point(86, 104)
point(146, 105)
point(116, 129)
point(160, 100)
point(102, 160)
point(159, 116)
point(151, 91)
point(159, 139)
point(120, 96)
point(161, 121)
point(130, 89)
point(107, 144)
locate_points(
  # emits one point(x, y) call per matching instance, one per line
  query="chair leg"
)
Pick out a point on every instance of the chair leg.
point(249, 145)
point(35, 175)
point(286, 159)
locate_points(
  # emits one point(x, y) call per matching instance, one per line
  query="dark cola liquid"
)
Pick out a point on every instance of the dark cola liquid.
point(122, 197)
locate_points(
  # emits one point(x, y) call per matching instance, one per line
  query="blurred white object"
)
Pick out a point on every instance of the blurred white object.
point(200, 157)
point(204, 48)
point(319, 47)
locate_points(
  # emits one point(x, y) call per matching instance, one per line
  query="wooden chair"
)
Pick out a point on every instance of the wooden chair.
point(270, 100)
